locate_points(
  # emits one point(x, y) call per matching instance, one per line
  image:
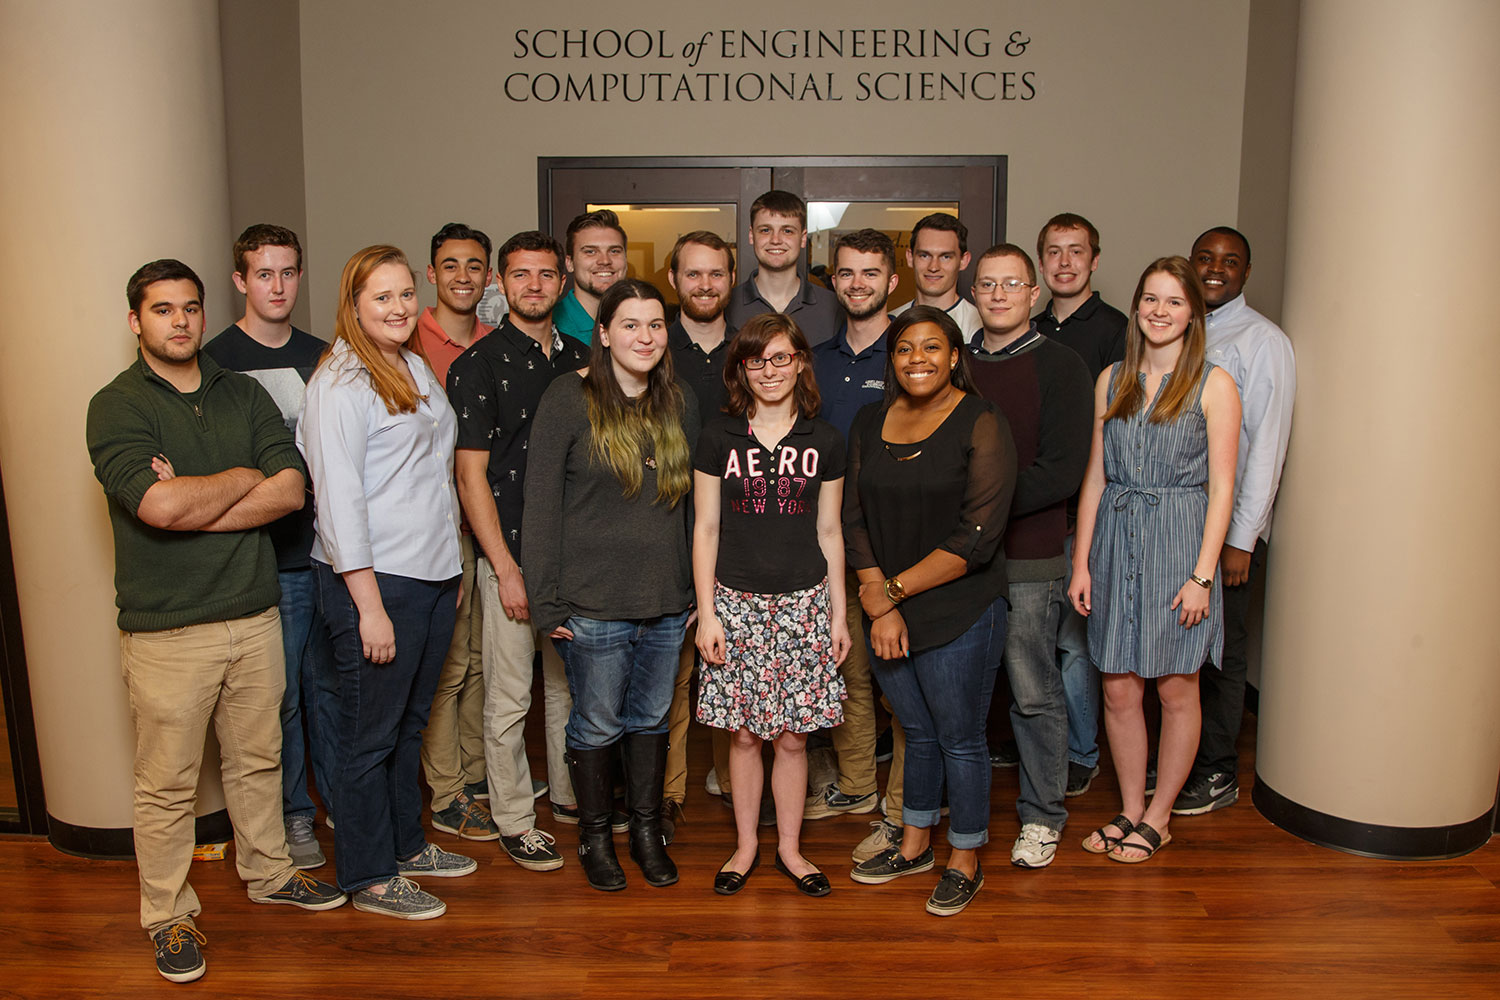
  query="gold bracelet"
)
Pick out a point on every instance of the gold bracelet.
point(894, 591)
point(1205, 584)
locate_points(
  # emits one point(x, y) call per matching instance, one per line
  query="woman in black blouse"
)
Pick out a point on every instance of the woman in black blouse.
point(931, 471)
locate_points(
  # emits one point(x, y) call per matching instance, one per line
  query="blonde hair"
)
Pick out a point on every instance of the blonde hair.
point(393, 389)
point(621, 427)
point(1173, 397)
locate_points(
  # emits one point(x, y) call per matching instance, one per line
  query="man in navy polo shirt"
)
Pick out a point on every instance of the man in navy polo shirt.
point(851, 373)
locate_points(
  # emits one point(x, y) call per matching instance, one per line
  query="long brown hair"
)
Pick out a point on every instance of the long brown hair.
point(395, 391)
point(620, 426)
point(750, 342)
point(1171, 398)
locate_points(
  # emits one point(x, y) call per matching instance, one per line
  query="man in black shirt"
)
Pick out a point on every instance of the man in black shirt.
point(702, 273)
point(1068, 251)
point(494, 388)
point(264, 345)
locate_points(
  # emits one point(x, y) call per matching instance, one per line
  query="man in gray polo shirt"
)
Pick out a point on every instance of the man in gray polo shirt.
point(778, 235)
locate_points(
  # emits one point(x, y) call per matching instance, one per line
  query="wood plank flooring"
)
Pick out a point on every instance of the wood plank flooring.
point(1232, 908)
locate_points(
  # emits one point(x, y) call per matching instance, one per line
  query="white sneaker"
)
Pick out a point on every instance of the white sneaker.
point(711, 783)
point(1035, 847)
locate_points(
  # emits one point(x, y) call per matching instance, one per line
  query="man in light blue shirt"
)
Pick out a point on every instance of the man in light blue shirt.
point(1258, 355)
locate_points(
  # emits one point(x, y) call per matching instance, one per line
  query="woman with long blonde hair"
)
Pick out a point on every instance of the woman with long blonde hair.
point(378, 436)
point(604, 547)
point(1152, 515)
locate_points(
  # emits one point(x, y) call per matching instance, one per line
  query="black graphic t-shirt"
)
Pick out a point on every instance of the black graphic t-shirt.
point(768, 502)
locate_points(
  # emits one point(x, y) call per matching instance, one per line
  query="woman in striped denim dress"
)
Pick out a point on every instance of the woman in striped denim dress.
point(1152, 516)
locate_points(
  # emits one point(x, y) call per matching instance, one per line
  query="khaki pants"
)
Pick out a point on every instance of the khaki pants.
point(675, 787)
point(854, 741)
point(509, 647)
point(233, 673)
point(453, 743)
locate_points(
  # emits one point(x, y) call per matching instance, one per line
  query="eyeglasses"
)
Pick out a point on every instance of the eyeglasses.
point(779, 360)
point(1010, 286)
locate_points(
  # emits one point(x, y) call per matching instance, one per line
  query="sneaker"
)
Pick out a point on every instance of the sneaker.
point(1206, 793)
point(438, 863)
point(888, 865)
point(1080, 777)
point(1035, 847)
point(1007, 754)
point(532, 849)
point(538, 788)
point(306, 892)
point(885, 746)
point(478, 790)
point(177, 956)
point(328, 820)
point(832, 802)
point(954, 892)
point(1151, 775)
point(711, 783)
point(467, 819)
point(619, 820)
point(884, 835)
point(402, 899)
point(302, 843)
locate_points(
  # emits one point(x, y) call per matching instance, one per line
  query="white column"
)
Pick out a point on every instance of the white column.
point(1380, 690)
point(114, 155)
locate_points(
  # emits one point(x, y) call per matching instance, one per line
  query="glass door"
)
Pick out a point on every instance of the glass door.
point(661, 198)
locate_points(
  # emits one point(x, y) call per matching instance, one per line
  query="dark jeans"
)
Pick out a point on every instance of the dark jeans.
point(621, 675)
point(383, 710)
point(942, 697)
point(1222, 691)
point(312, 691)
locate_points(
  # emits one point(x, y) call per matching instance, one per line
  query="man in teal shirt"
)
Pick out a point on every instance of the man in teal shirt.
point(595, 260)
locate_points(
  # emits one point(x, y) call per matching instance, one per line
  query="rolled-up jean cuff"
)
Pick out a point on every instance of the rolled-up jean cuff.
point(967, 841)
point(922, 819)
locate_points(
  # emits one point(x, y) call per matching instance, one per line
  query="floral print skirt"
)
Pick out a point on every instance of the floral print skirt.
point(779, 674)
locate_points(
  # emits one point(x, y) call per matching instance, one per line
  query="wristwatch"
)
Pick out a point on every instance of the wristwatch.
point(894, 591)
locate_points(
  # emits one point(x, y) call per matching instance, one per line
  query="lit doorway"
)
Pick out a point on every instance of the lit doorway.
point(661, 198)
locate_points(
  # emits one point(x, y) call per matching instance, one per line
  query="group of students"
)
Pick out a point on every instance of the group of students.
point(630, 528)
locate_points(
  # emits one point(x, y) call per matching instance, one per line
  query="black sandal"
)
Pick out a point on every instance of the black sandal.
point(1110, 843)
point(1154, 842)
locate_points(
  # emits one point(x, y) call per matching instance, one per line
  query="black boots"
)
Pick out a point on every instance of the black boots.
point(645, 759)
point(593, 783)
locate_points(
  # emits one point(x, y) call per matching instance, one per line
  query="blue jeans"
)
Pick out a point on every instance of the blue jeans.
point(1038, 712)
point(621, 675)
point(312, 691)
point(383, 710)
point(942, 697)
point(1081, 685)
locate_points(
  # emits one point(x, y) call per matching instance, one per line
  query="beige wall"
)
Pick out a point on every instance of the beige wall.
point(1137, 123)
point(262, 58)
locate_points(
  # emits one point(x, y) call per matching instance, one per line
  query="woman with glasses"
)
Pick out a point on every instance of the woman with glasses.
point(604, 546)
point(768, 566)
point(1152, 515)
point(932, 469)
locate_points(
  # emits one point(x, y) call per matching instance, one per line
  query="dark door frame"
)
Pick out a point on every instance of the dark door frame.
point(742, 179)
point(30, 816)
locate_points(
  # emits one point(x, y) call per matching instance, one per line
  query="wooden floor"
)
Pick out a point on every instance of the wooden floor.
point(1232, 908)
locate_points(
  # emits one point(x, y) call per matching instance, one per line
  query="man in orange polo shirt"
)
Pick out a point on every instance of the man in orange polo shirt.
point(453, 746)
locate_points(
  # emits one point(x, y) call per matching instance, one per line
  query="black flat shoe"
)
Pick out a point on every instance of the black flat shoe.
point(728, 883)
point(815, 884)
